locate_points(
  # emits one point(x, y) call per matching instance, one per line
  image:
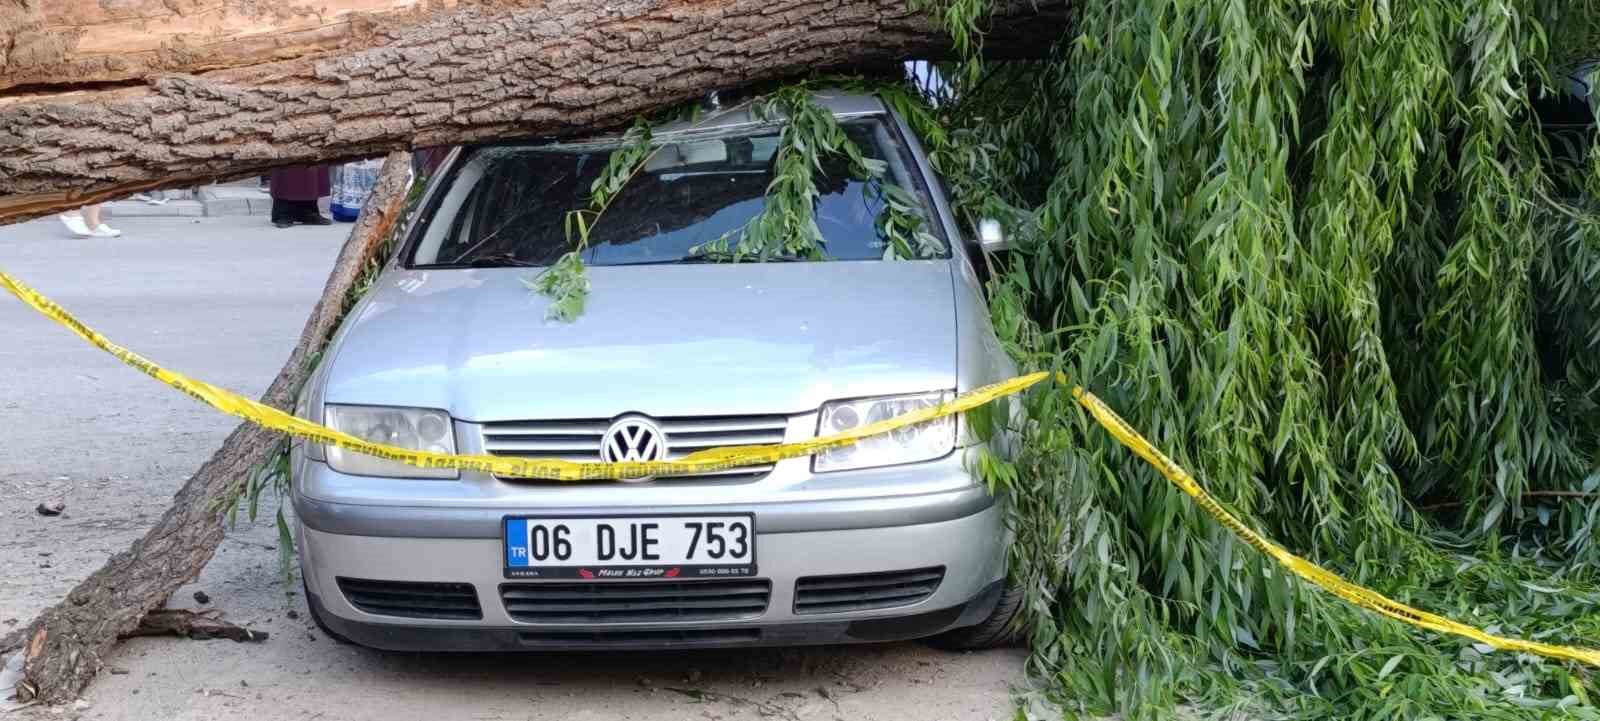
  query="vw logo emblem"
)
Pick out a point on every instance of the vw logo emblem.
point(633, 438)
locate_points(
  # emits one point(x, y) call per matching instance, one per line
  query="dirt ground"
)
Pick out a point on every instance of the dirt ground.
point(223, 299)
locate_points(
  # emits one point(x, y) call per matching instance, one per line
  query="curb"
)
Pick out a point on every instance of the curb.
point(211, 201)
point(221, 200)
point(141, 209)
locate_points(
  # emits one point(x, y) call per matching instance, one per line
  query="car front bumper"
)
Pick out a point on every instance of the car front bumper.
point(480, 638)
point(969, 548)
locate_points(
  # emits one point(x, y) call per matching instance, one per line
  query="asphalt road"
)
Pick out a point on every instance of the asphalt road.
point(223, 299)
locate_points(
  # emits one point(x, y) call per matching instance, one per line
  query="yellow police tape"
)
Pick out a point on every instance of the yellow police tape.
point(1328, 580)
point(711, 459)
point(723, 458)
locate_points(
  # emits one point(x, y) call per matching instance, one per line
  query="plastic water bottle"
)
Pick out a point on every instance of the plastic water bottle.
point(352, 183)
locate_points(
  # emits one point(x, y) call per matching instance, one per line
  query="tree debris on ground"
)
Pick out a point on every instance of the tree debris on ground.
point(66, 645)
point(199, 626)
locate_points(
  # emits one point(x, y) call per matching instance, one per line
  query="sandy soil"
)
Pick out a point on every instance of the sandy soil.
point(224, 299)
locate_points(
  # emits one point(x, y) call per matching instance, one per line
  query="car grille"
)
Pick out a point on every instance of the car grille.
point(640, 638)
point(865, 591)
point(453, 601)
point(580, 441)
point(627, 602)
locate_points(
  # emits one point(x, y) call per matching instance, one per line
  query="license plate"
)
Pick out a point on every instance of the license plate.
point(632, 547)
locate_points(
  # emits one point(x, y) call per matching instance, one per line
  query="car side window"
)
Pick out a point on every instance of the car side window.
point(438, 239)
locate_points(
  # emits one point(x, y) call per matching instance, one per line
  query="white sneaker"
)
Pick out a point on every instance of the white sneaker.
point(75, 225)
point(105, 231)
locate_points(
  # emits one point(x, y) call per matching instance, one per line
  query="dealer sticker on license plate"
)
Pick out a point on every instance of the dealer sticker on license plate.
point(589, 547)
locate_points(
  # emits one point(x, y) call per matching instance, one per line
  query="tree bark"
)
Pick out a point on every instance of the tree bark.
point(476, 73)
point(200, 626)
point(66, 644)
point(73, 42)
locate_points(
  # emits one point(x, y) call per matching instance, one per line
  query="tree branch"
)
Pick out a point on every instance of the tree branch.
point(201, 626)
point(1526, 496)
point(67, 643)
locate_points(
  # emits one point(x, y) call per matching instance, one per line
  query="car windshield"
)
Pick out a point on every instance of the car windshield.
point(508, 205)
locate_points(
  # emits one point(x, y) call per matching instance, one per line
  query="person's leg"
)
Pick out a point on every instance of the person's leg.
point(91, 218)
point(311, 214)
point(283, 213)
point(74, 222)
point(97, 227)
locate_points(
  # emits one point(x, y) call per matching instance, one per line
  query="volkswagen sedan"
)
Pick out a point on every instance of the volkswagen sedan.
point(678, 349)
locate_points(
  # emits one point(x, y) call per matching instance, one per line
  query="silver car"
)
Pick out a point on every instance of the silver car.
point(676, 351)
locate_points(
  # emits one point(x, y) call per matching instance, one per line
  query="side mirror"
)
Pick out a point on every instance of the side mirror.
point(991, 237)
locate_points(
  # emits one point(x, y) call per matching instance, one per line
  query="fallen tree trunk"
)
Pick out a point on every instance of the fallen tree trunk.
point(475, 73)
point(66, 644)
point(73, 42)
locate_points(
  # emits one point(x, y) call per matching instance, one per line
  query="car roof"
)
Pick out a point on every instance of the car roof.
point(729, 115)
point(842, 103)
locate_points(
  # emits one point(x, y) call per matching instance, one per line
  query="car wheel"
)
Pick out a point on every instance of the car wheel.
point(998, 630)
point(322, 625)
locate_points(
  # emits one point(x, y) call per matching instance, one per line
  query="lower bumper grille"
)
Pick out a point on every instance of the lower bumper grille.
point(865, 591)
point(405, 599)
point(636, 639)
point(624, 602)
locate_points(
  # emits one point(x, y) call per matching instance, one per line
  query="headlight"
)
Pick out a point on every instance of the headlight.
point(417, 429)
point(920, 442)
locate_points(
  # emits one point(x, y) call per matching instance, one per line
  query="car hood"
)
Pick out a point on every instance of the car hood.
point(664, 340)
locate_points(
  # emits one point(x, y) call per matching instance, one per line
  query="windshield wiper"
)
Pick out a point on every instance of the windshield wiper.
point(504, 260)
point(729, 258)
point(499, 261)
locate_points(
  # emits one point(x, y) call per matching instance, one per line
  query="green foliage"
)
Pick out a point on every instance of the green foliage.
point(1324, 255)
point(903, 225)
point(623, 163)
point(786, 227)
point(564, 282)
point(272, 476)
point(787, 224)
point(1574, 29)
point(565, 285)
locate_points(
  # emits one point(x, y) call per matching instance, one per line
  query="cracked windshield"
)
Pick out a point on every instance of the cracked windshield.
point(691, 201)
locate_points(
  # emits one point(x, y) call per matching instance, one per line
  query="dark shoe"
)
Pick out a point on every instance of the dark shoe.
point(283, 224)
point(317, 219)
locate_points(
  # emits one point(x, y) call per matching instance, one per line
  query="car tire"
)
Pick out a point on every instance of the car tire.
point(316, 618)
point(997, 631)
